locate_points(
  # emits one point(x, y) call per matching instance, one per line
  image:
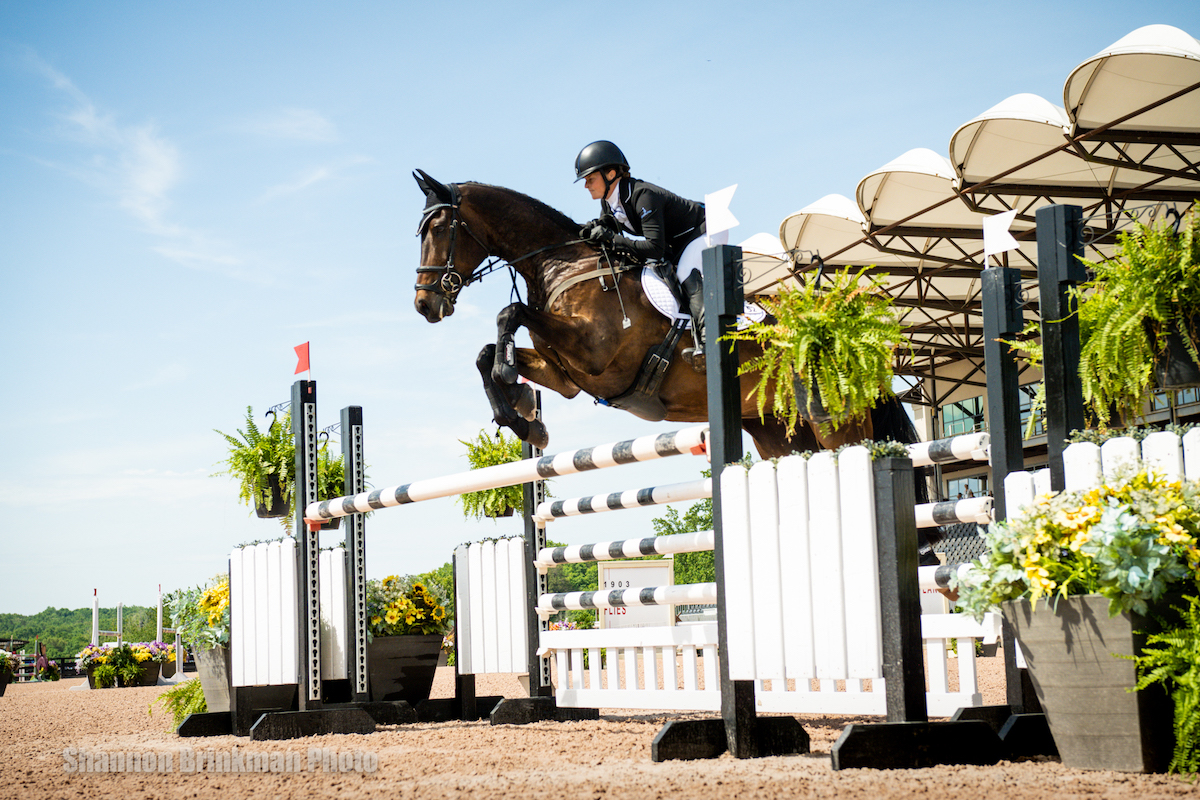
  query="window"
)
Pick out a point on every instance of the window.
point(962, 416)
point(1028, 392)
point(961, 488)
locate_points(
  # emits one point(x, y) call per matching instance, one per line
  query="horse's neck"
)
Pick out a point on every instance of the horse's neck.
point(539, 247)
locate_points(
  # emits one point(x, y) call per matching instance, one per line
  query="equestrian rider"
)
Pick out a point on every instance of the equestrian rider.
point(671, 227)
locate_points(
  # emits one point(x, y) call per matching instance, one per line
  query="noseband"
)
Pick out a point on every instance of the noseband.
point(450, 282)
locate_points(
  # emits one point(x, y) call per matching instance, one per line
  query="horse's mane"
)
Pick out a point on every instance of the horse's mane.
point(553, 215)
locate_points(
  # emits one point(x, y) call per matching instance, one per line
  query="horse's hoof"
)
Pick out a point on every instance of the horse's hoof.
point(525, 403)
point(538, 435)
point(504, 374)
point(696, 360)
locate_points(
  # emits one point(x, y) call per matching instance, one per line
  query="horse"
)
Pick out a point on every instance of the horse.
point(590, 329)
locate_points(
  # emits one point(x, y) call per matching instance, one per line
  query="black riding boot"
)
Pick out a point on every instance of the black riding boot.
point(693, 290)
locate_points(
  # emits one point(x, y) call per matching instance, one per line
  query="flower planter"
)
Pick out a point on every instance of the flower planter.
point(91, 677)
point(1072, 652)
point(1174, 367)
point(817, 414)
point(5, 679)
point(403, 667)
point(278, 507)
point(150, 670)
point(213, 669)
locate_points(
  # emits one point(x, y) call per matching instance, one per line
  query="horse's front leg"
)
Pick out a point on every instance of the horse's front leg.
point(516, 416)
point(504, 368)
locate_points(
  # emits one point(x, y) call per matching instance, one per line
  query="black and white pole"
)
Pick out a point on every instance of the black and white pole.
point(304, 426)
point(1002, 320)
point(356, 553)
point(724, 299)
point(533, 495)
point(1060, 246)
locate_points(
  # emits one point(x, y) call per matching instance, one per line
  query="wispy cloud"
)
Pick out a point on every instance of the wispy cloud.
point(135, 163)
point(166, 375)
point(312, 177)
point(301, 124)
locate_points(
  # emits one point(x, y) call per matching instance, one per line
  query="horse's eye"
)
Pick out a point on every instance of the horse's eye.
point(438, 229)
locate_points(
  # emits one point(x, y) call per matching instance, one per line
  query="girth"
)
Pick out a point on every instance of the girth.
point(641, 399)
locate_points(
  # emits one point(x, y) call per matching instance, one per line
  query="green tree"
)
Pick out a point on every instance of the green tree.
point(690, 567)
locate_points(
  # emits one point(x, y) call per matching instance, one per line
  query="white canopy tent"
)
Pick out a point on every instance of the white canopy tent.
point(1128, 137)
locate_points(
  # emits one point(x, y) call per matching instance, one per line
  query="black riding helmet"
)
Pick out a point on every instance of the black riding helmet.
point(597, 156)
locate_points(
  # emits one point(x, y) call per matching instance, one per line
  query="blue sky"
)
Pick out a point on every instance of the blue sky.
point(188, 191)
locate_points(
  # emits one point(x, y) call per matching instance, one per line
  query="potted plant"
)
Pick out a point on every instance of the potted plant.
point(201, 615)
point(827, 349)
point(264, 465)
point(1138, 318)
point(88, 659)
point(8, 668)
point(1085, 577)
point(50, 672)
point(406, 623)
point(486, 451)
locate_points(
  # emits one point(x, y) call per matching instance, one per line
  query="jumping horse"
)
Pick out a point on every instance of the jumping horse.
point(591, 330)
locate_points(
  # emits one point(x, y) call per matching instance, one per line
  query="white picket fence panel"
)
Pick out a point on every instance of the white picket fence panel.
point(1086, 465)
point(490, 604)
point(265, 614)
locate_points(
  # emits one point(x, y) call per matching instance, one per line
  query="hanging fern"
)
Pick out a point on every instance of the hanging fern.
point(1148, 290)
point(840, 337)
point(486, 451)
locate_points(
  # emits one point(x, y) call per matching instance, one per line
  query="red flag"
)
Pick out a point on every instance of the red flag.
point(302, 354)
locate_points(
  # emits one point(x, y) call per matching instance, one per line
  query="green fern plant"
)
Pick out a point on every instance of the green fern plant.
point(181, 700)
point(840, 337)
point(1172, 658)
point(1149, 290)
point(486, 451)
point(260, 461)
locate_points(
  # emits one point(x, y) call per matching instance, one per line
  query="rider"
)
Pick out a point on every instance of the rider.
point(672, 228)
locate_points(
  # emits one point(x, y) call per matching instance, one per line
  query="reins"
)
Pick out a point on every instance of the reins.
point(450, 282)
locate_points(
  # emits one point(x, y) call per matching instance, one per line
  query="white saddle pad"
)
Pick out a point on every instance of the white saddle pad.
point(664, 301)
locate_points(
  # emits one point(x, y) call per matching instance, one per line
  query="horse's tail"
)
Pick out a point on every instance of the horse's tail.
point(889, 420)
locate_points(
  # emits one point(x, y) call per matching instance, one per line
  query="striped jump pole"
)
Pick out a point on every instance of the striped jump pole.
point(630, 548)
point(689, 594)
point(633, 498)
point(968, 447)
point(939, 577)
point(953, 512)
point(645, 448)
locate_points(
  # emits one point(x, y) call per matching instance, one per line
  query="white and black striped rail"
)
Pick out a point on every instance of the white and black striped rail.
point(968, 447)
point(629, 548)
point(645, 448)
point(633, 498)
point(688, 594)
point(939, 577)
point(953, 512)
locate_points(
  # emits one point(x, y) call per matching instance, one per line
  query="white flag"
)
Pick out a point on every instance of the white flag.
point(717, 217)
point(996, 238)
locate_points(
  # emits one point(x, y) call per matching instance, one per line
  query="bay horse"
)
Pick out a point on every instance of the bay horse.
point(575, 313)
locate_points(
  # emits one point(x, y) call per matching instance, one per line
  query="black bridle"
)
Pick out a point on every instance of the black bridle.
point(451, 282)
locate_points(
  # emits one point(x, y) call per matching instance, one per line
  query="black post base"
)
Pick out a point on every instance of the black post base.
point(1027, 735)
point(449, 709)
point(315, 722)
point(913, 745)
point(397, 712)
point(212, 723)
point(994, 716)
point(524, 710)
point(706, 738)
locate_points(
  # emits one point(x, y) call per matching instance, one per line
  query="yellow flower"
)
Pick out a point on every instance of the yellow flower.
point(393, 616)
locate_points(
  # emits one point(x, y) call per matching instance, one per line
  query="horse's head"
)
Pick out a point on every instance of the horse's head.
point(448, 257)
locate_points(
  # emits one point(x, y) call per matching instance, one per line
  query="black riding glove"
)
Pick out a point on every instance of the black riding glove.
point(596, 233)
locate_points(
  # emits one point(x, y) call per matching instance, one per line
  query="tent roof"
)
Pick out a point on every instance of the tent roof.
point(1129, 135)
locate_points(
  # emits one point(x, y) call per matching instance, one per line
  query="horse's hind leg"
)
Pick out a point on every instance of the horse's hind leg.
point(771, 439)
point(532, 431)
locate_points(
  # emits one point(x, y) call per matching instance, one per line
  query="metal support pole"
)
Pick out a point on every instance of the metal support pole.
point(1002, 318)
point(532, 495)
point(304, 426)
point(723, 301)
point(356, 554)
point(1060, 245)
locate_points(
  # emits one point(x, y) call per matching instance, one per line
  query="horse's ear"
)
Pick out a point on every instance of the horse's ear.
point(430, 187)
